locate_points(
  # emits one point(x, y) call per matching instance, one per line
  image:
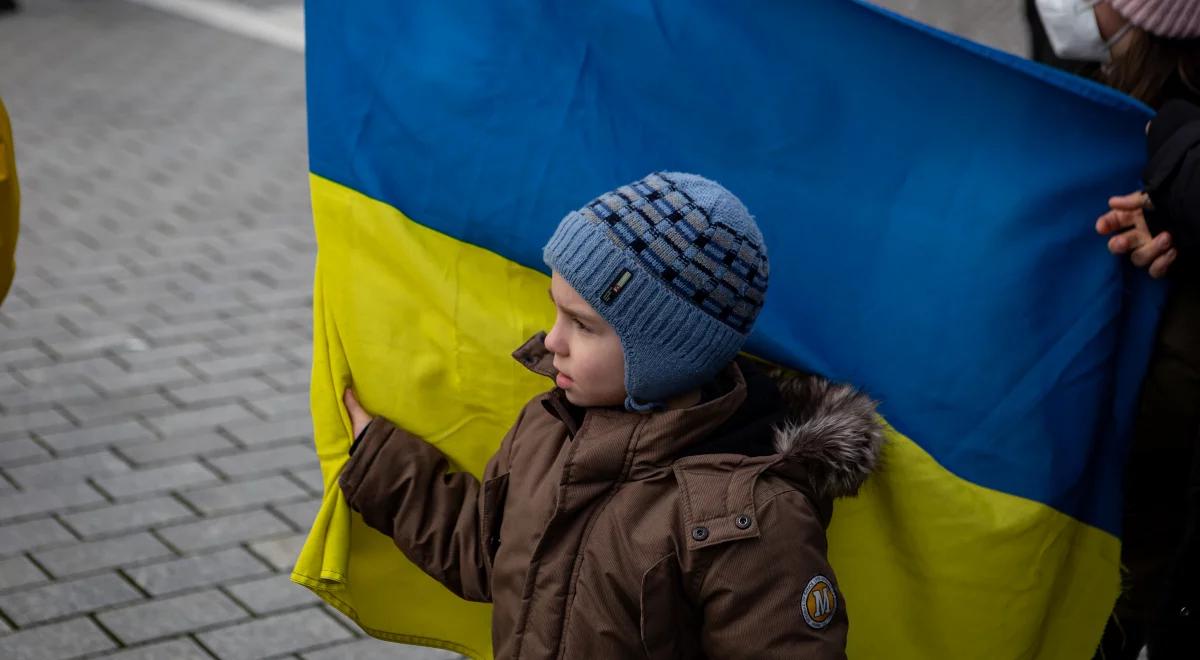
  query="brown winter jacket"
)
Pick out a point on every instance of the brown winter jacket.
point(601, 533)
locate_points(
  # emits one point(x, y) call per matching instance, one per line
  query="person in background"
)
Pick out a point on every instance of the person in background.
point(10, 204)
point(1150, 49)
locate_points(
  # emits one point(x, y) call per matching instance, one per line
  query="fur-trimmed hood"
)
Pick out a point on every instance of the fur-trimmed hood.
point(826, 436)
point(830, 438)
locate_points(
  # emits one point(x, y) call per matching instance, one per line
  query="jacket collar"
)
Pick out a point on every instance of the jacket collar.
point(828, 440)
point(651, 438)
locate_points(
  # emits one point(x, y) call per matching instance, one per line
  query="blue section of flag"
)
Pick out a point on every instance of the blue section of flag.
point(927, 203)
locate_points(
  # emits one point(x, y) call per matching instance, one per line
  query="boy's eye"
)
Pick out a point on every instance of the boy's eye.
point(581, 326)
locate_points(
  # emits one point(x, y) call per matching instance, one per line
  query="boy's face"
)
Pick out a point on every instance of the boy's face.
point(587, 351)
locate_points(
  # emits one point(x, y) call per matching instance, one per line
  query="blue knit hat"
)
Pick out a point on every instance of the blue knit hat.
point(676, 265)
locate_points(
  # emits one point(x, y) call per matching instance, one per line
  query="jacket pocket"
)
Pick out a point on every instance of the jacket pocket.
point(495, 492)
point(668, 624)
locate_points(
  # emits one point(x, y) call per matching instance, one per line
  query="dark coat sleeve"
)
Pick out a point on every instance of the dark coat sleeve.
point(403, 487)
point(1172, 176)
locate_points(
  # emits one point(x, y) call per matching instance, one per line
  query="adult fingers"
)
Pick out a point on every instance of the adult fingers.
point(1115, 221)
point(1162, 264)
point(1131, 202)
point(1151, 250)
point(1128, 241)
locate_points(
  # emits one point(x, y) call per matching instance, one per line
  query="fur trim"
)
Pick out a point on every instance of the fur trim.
point(832, 440)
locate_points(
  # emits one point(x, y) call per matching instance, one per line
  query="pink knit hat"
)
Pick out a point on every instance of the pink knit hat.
point(1172, 19)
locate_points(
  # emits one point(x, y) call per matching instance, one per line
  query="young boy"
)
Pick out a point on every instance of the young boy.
point(664, 500)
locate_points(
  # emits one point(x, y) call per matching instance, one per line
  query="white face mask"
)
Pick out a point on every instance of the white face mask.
point(1073, 32)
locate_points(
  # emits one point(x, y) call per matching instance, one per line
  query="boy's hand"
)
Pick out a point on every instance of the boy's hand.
point(359, 417)
point(1126, 219)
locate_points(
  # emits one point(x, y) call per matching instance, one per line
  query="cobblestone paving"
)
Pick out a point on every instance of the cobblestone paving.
point(156, 465)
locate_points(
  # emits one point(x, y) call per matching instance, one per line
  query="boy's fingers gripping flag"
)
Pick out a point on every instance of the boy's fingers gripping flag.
point(929, 206)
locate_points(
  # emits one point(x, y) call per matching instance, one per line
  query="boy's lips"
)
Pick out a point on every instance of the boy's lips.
point(564, 381)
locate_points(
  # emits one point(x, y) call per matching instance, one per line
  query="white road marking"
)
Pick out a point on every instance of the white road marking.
point(281, 26)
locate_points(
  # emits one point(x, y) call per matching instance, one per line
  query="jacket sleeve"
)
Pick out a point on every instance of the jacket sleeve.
point(774, 596)
point(1172, 176)
point(402, 486)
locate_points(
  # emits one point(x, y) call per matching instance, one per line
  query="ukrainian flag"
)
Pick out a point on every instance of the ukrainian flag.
point(928, 204)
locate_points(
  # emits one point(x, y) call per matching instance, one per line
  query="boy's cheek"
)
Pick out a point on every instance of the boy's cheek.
point(581, 401)
point(579, 398)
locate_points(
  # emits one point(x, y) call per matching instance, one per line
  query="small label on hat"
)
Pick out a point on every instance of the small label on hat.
point(618, 285)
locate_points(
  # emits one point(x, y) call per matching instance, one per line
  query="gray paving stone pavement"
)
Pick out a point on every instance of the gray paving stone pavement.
point(19, 572)
point(288, 633)
point(156, 468)
point(176, 649)
point(215, 532)
point(65, 598)
point(186, 446)
point(198, 571)
point(280, 552)
point(66, 470)
point(156, 480)
point(366, 650)
point(27, 503)
point(299, 514)
point(126, 517)
point(55, 641)
point(243, 494)
point(171, 616)
point(157, 475)
point(82, 557)
point(270, 594)
point(31, 535)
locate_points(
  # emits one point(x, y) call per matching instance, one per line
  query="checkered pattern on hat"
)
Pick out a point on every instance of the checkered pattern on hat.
point(720, 269)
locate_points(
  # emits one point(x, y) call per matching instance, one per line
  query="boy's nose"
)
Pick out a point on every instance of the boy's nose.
point(552, 341)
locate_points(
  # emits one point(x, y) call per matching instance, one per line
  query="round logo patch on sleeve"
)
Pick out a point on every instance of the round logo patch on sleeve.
point(820, 602)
